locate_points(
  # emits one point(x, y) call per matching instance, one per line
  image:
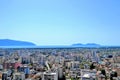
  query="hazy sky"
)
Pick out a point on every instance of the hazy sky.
point(61, 22)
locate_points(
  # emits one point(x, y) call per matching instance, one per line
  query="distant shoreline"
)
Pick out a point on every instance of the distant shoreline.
point(57, 47)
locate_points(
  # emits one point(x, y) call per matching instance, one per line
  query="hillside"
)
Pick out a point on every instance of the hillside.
point(8, 42)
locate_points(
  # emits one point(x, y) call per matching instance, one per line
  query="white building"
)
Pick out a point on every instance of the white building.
point(50, 76)
point(18, 76)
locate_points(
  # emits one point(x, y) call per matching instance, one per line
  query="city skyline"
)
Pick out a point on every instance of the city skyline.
point(62, 22)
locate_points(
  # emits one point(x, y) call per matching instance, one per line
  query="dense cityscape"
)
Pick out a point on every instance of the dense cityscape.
point(60, 63)
point(59, 40)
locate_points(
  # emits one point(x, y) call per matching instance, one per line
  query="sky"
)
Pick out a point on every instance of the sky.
point(61, 22)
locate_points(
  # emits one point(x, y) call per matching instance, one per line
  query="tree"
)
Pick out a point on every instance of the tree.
point(104, 73)
point(92, 66)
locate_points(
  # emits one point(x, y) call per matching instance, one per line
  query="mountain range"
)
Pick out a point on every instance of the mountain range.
point(9, 42)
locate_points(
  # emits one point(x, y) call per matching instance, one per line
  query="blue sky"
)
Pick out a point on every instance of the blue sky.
point(61, 22)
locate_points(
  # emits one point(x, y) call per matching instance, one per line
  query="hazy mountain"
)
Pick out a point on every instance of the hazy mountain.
point(86, 45)
point(8, 42)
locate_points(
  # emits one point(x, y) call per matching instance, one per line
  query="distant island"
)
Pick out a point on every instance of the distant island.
point(9, 42)
point(86, 45)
